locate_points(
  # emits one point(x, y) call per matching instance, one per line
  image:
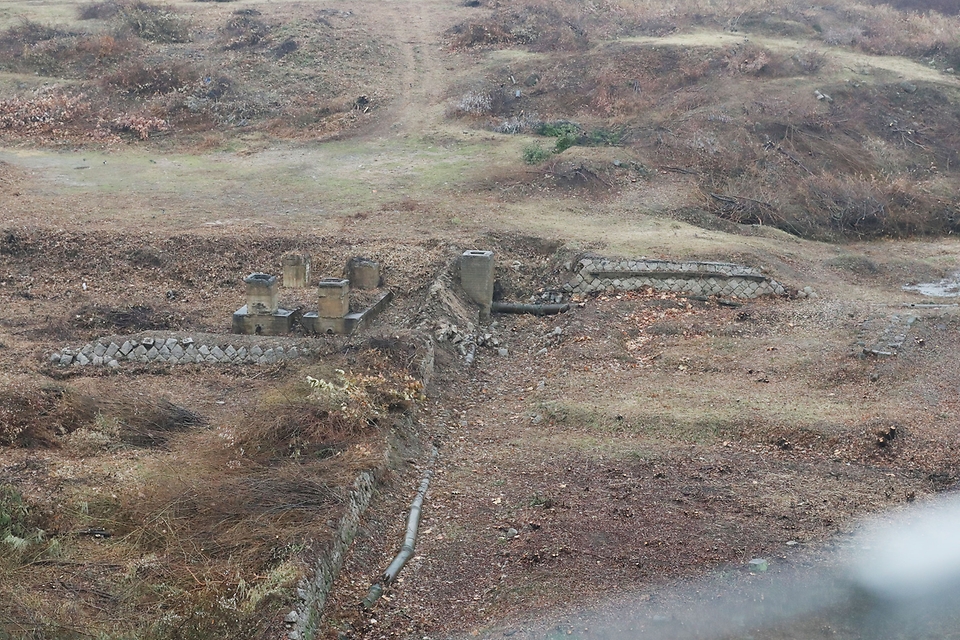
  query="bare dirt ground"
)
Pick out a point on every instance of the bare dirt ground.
point(636, 442)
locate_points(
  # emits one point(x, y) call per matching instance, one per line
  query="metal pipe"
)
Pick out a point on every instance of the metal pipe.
point(389, 576)
point(535, 309)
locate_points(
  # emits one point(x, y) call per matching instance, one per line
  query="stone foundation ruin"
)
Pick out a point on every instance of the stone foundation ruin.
point(262, 315)
point(596, 274)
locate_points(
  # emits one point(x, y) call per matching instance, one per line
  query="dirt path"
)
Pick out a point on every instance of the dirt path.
point(844, 58)
point(417, 28)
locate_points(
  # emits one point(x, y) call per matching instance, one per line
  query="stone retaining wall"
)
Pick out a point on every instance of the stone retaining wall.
point(111, 353)
point(304, 621)
point(594, 274)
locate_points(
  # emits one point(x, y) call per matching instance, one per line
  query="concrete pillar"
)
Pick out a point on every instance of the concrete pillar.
point(261, 294)
point(476, 276)
point(333, 298)
point(363, 273)
point(296, 270)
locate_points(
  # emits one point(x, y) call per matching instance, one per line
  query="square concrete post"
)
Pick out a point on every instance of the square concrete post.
point(261, 293)
point(296, 270)
point(363, 273)
point(333, 298)
point(476, 277)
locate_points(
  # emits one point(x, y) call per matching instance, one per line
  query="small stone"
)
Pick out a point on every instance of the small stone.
point(65, 359)
point(293, 635)
point(512, 533)
point(758, 564)
point(54, 358)
point(813, 295)
point(81, 360)
point(187, 341)
point(792, 543)
point(97, 361)
point(113, 364)
point(542, 352)
point(293, 352)
point(291, 617)
point(503, 351)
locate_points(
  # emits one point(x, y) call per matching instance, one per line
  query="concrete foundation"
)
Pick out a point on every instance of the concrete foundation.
point(476, 277)
point(333, 298)
point(296, 270)
point(347, 324)
point(266, 324)
point(363, 273)
point(261, 293)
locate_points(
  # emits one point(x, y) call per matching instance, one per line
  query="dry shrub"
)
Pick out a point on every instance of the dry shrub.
point(73, 55)
point(141, 80)
point(243, 31)
point(145, 422)
point(867, 207)
point(98, 10)
point(140, 125)
point(35, 415)
point(47, 112)
point(538, 24)
point(153, 22)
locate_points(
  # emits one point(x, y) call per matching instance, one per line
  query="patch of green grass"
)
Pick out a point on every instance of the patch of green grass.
point(535, 154)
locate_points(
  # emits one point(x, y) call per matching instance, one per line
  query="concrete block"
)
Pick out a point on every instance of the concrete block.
point(296, 270)
point(363, 273)
point(476, 276)
point(333, 298)
point(261, 294)
point(111, 350)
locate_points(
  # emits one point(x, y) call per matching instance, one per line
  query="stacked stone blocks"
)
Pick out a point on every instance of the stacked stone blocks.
point(173, 351)
point(596, 274)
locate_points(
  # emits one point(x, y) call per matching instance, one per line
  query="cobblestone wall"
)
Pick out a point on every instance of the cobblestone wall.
point(112, 353)
point(699, 278)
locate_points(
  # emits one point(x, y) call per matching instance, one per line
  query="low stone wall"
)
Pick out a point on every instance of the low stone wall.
point(112, 352)
point(313, 591)
point(594, 274)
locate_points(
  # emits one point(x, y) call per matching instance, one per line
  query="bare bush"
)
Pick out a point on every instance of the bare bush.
point(156, 23)
point(98, 10)
point(245, 30)
point(43, 113)
point(140, 80)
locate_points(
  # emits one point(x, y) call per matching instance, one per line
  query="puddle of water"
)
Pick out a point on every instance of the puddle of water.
point(946, 288)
